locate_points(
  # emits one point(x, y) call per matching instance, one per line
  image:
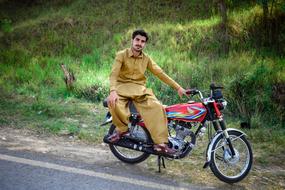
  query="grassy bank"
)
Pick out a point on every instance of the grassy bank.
point(69, 117)
point(185, 40)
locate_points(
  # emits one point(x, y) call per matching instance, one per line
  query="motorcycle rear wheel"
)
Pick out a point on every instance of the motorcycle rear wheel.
point(128, 155)
point(227, 168)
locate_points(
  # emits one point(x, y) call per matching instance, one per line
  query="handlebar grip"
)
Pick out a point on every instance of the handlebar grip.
point(191, 91)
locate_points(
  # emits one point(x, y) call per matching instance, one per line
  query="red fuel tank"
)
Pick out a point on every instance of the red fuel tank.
point(187, 111)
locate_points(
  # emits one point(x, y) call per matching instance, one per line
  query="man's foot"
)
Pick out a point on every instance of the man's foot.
point(116, 136)
point(164, 149)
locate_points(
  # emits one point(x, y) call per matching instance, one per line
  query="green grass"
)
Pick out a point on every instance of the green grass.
point(69, 116)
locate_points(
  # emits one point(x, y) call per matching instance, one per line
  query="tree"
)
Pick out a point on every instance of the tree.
point(224, 26)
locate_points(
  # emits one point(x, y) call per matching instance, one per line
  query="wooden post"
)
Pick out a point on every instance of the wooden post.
point(69, 77)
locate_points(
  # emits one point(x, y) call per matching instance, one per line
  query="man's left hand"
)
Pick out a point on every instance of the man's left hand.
point(181, 91)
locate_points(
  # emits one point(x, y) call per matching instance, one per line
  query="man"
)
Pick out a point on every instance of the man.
point(128, 82)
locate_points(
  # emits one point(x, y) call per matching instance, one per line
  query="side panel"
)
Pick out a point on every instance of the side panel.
point(187, 112)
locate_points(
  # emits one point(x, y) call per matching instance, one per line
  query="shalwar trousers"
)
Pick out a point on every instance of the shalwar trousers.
point(149, 108)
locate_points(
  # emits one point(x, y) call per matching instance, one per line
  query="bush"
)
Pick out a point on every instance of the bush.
point(251, 93)
point(93, 93)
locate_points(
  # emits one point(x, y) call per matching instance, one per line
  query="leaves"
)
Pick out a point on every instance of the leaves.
point(6, 25)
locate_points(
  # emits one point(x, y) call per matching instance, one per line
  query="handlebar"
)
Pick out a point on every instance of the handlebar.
point(194, 91)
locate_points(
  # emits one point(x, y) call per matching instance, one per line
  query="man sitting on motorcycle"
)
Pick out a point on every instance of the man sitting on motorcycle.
point(128, 83)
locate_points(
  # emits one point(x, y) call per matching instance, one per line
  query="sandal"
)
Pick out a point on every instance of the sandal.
point(164, 149)
point(116, 136)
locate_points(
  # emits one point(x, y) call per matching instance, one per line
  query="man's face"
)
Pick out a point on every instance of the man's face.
point(138, 43)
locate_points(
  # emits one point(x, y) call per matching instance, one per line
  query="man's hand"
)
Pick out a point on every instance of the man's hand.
point(181, 91)
point(112, 98)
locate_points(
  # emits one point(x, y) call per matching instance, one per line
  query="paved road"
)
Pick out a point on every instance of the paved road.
point(35, 171)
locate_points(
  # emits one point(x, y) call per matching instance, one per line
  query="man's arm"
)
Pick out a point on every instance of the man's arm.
point(112, 98)
point(157, 71)
point(115, 71)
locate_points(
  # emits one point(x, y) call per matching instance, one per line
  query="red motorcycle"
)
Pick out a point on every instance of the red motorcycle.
point(228, 154)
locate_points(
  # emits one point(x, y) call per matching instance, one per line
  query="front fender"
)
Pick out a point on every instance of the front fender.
point(211, 144)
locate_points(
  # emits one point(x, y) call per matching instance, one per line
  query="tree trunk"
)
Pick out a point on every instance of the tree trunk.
point(130, 11)
point(265, 22)
point(224, 26)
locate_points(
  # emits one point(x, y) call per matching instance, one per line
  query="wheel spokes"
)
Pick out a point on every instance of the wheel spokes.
point(228, 166)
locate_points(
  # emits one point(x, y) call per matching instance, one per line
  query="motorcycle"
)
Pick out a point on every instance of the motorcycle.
point(229, 153)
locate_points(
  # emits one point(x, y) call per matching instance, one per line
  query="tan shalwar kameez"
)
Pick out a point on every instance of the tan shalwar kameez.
point(128, 80)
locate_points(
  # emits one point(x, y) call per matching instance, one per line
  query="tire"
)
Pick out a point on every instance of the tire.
point(128, 155)
point(226, 168)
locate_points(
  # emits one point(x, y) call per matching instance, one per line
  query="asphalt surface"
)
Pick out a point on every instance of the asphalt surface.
point(23, 170)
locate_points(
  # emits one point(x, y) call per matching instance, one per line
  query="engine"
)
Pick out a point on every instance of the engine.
point(179, 130)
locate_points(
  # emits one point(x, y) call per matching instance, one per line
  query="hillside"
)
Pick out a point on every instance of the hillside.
point(186, 40)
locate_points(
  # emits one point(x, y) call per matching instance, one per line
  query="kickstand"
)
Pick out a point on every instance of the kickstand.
point(159, 160)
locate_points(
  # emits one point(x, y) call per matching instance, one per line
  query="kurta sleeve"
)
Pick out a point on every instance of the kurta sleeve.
point(115, 71)
point(158, 72)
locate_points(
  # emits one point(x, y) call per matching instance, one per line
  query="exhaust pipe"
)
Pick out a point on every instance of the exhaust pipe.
point(148, 148)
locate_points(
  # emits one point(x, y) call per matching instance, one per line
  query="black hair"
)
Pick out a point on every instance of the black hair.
point(140, 32)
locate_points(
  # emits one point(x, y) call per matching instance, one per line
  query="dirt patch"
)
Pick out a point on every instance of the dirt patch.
point(65, 146)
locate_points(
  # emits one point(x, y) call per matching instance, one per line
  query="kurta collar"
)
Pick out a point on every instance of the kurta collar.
point(131, 54)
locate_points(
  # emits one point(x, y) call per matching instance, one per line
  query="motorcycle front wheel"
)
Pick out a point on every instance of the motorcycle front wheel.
point(228, 168)
point(128, 155)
